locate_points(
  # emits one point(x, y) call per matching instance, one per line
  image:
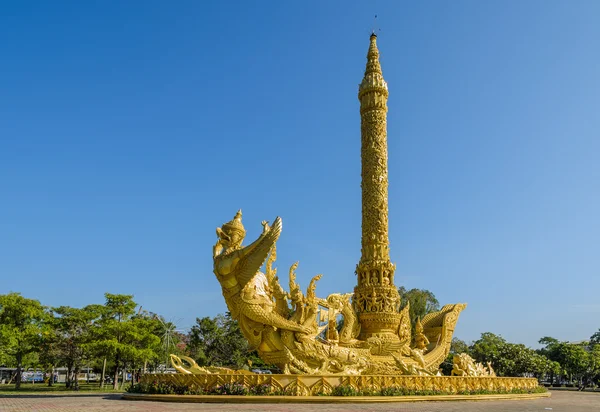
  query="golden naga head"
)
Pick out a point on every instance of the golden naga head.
point(232, 233)
point(295, 292)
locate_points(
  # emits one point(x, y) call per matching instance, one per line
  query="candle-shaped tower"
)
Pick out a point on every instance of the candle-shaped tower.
point(376, 299)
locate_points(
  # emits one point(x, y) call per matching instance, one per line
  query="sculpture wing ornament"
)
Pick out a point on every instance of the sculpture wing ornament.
point(257, 253)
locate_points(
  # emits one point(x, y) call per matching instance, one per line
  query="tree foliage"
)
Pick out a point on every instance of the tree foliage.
point(73, 336)
point(578, 362)
point(595, 339)
point(122, 335)
point(421, 303)
point(219, 341)
point(510, 359)
point(21, 322)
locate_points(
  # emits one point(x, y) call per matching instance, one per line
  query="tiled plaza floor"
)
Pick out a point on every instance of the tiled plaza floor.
point(559, 402)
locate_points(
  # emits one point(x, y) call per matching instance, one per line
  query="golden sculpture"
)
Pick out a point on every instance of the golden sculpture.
point(297, 331)
point(188, 366)
point(464, 365)
point(303, 339)
point(374, 347)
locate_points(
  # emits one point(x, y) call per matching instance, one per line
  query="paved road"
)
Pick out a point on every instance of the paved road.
point(559, 402)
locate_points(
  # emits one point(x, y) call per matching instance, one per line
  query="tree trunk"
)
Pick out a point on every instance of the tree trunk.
point(51, 377)
point(75, 384)
point(18, 375)
point(124, 373)
point(68, 376)
point(132, 373)
point(103, 372)
point(116, 382)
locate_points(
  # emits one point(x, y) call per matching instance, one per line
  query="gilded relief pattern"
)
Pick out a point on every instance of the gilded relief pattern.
point(376, 298)
point(312, 386)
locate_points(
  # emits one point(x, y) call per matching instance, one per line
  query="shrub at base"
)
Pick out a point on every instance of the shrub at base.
point(156, 388)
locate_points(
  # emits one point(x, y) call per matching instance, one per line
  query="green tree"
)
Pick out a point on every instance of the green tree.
point(489, 348)
point(145, 340)
point(550, 351)
point(73, 329)
point(219, 341)
point(548, 341)
point(204, 339)
point(21, 322)
point(578, 361)
point(594, 364)
point(49, 351)
point(542, 367)
point(459, 346)
point(510, 359)
point(421, 302)
point(123, 336)
point(595, 339)
point(574, 360)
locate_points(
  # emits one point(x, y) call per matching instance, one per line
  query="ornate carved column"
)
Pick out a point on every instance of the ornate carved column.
point(376, 299)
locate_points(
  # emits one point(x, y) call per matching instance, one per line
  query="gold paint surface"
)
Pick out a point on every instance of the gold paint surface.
point(296, 330)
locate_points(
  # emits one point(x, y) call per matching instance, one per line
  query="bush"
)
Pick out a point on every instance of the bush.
point(259, 390)
point(162, 388)
point(283, 392)
point(345, 391)
point(229, 389)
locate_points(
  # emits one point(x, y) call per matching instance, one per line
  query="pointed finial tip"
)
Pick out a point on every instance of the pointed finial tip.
point(238, 215)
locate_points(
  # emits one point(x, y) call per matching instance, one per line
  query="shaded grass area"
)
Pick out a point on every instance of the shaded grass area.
point(57, 388)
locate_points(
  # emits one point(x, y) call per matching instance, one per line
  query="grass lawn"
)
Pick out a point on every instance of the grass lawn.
point(56, 388)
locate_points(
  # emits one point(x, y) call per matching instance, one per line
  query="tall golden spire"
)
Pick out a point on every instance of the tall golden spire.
point(376, 299)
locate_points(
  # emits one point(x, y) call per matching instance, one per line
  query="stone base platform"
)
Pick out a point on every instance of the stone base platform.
point(325, 399)
point(315, 385)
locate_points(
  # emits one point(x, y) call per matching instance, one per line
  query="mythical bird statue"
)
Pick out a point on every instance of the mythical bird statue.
point(299, 338)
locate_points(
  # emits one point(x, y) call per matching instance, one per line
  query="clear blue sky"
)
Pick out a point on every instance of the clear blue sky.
point(130, 130)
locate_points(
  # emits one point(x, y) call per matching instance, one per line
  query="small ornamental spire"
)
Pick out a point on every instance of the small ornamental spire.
point(373, 79)
point(373, 65)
